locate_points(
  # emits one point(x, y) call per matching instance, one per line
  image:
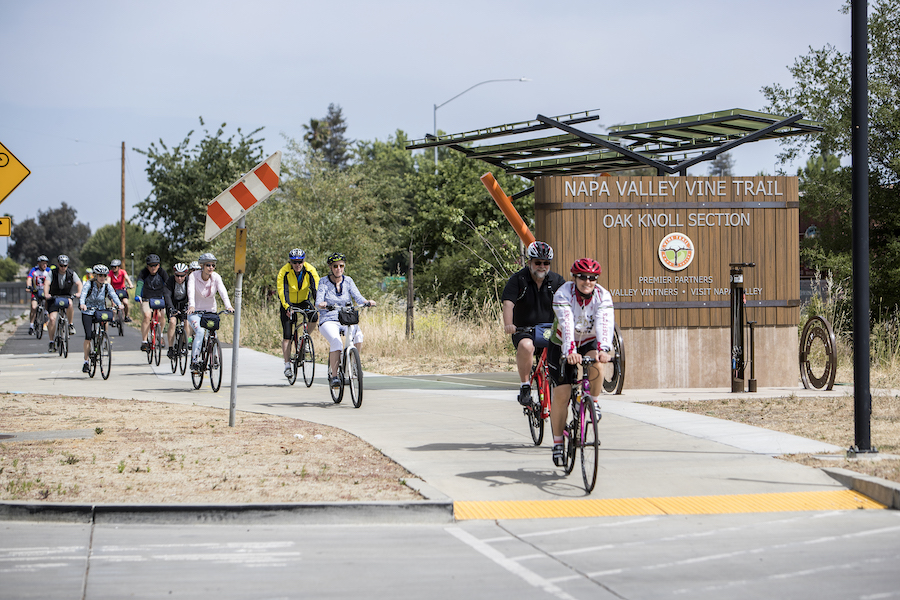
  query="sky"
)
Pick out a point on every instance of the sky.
point(80, 78)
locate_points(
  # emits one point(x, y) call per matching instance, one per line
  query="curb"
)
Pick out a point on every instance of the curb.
point(311, 513)
point(878, 489)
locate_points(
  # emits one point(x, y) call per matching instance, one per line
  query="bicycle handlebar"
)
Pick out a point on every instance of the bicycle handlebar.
point(335, 306)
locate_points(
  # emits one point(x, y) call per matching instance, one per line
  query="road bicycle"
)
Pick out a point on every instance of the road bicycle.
point(181, 351)
point(61, 338)
point(210, 358)
point(581, 430)
point(101, 348)
point(349, 367)
point(541, 389)
point(40, 317)
point(303, 353)
point(154, 335)
point(119, 320)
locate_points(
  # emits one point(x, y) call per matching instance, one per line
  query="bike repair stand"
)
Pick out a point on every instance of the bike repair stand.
point(738, 301)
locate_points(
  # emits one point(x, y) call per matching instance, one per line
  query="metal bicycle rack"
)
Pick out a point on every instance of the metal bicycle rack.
point(818, 332)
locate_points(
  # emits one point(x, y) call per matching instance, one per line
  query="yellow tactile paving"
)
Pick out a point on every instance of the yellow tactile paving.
point(685, 505)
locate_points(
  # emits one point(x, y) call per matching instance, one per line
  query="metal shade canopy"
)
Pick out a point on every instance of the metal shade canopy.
point(669, 146)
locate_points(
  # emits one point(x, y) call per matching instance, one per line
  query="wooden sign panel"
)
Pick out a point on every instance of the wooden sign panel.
point(665, 243)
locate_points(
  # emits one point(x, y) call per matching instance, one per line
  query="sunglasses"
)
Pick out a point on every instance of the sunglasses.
point(210, 265)
point(296, 262)
point(154, 265)
point(585, 277)
point(180, 274)
point(541, 263)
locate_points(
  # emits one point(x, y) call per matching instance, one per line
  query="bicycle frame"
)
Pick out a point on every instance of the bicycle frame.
point(304, 351)
point(581, 432)
point(349, 366)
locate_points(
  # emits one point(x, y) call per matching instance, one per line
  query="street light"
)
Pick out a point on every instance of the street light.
point(437, 106)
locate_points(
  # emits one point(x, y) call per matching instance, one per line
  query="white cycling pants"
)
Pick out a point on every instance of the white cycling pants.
point(331, 330)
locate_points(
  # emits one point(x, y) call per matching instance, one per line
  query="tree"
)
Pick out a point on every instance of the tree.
point(721, 166)
point(186, 177)
point(54, 232)
point(8, 269)
point(327, 137)
point(821, 81)
point(105, 244)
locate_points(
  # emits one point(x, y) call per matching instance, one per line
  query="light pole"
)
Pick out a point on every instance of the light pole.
point(437, 106)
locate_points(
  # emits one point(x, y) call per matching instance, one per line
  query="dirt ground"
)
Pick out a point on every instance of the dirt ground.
point(149, 452)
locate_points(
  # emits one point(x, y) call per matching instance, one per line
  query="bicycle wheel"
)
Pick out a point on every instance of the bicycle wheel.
point(337, 393)
point(94, 355)
point(355, 377)
point(39, 320)
point(308, 360)
point(571, 434)
point(175, 358)
point(182, 349)
point(157, 343)
point(295, 360)
point(105, 355)
point(215, 364)
point(120, 322)
point(197, 378)
point(590, 447)
point(64, 347)
point(533, 412)
point(615, 383)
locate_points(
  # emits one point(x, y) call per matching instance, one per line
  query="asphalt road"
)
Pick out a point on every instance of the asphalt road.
point(466, 438)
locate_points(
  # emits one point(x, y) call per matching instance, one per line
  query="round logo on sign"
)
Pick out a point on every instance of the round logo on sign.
point(676, 251)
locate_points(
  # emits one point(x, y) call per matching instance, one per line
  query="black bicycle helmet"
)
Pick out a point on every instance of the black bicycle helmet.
point(153, 259)
point(334, 257)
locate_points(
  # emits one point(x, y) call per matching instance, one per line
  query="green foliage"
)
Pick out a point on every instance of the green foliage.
point(186, 177)
point(820, 91)
point(326, 138)
point(721, 166)
point(317, 208)
point(8, 269)
point(54, 232)
point(105, 244)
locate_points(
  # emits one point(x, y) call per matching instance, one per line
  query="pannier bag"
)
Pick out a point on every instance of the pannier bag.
point(348, 316)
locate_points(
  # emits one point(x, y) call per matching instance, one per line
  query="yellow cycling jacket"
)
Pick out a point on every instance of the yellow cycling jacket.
point(292, 292)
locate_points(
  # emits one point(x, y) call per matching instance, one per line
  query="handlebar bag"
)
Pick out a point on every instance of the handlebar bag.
point(348, 316)
point(59, 302)
point(156, 303)
point(103, 316)
point(542, 333)
point(123, 293)
point(210, 321)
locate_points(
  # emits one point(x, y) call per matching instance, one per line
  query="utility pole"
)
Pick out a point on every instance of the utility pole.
point(122, 220)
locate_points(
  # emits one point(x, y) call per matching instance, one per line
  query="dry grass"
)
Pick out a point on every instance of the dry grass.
point(153, 452)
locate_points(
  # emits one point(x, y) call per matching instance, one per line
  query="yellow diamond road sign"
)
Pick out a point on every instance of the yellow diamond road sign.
point(12, 172)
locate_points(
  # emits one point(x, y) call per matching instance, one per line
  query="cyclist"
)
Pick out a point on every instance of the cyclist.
point(175, 293)
point(119, 279)
point(61, 282)
point(88, 274)
point(583, 325)
point(150, 283)
point(296, 282)
point(195, 266)
point(202, 287)
point(337, 289)
point(34, 283)
point(93, 298)
point(527, 302)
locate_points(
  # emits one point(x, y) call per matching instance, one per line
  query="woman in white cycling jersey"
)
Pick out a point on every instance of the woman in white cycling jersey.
point(93, 298)
point(336, 290)
point(584, 325)
point(201, 292)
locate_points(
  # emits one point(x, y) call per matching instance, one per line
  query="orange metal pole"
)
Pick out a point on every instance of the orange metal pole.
point(505, 205)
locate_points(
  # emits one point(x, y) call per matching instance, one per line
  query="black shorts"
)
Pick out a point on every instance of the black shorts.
point(87, 321)
point(561, 372)
point(286, 319)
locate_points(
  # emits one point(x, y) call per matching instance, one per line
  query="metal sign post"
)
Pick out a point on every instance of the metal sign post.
point(240, 263)
point(738, 361)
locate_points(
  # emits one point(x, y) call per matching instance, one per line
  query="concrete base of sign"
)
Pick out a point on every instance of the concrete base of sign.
point(700, 357)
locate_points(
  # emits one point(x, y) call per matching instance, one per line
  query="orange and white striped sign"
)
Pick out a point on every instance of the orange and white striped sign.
point(243, 196)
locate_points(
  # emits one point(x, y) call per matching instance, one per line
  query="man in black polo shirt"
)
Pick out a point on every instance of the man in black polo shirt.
point(527, 302)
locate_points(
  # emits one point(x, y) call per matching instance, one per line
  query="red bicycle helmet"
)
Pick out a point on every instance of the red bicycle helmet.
point(586, 265)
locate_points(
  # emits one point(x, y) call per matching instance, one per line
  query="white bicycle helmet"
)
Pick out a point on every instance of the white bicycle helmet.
point(100, 270)
point(539, 250)
point(207, 257)
point(180, 268)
